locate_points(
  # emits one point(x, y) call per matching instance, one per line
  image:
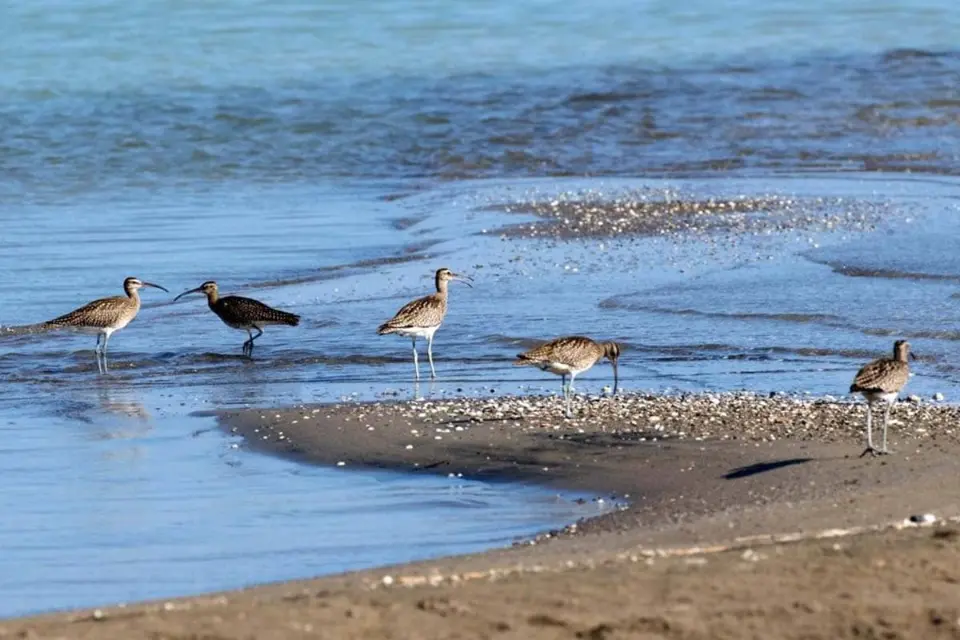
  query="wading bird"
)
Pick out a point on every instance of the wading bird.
point(570, 356)
point(244, 314)
point(880, 382)
point(422, 317)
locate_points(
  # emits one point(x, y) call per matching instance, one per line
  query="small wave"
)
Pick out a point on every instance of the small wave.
point(802, 318)
point(791, 115)
point(853, 271)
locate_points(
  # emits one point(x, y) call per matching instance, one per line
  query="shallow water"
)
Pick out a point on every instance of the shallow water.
point(119, 496)
point(326, 161)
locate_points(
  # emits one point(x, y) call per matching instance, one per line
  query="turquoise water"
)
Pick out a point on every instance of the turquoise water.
point(326, 157)
point(110, 95)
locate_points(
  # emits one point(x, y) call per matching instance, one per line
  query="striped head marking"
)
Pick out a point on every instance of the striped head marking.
point(135, 284)
point(611, 350)
point(901, 351)
point(444, 275)
point(208, 288)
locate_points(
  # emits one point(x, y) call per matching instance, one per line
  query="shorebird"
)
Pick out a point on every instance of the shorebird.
point(422, 317)
point(881, 381)
point(106, 315)
point(242, 313)
point(570, 356)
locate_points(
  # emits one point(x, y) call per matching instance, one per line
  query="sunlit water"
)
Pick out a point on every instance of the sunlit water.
point(326, 159)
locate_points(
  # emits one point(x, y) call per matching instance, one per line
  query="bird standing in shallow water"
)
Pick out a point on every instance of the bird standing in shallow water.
point(245, 314)
point(104, 316)
point(570, 356)
point(422, 317)
point(881, 381)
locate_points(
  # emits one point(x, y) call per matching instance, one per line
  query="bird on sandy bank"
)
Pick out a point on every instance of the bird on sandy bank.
point(880, 382)
point(105, 316)
point(570, 356)
point(244, 314)
point(422, 317)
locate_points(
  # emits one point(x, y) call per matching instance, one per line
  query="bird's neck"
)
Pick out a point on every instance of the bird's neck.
point(442, 288)
point(134, 295)
point(212, 297)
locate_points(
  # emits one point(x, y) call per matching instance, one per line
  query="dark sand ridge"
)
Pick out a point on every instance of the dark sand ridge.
point(705, 469)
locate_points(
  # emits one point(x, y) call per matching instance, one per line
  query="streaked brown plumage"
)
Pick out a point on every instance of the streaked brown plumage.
point(881, 381)
point(570, 356)
point(245, 314)
point(106, 315)
point(422, 317)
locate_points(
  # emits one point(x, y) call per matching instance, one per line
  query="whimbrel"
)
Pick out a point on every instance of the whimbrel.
point(881, 381)
point(569, 356)
point(422, 317)
point(106, 315)
point(245, 314)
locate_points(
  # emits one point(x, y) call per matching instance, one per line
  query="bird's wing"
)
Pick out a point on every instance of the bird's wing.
point(884, 375)
point(99, 313)
point(564, 350)
point(422, 312)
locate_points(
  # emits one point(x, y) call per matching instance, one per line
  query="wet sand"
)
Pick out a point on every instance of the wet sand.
point(750, 516)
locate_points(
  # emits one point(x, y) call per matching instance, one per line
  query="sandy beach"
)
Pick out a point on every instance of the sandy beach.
point(749, 516)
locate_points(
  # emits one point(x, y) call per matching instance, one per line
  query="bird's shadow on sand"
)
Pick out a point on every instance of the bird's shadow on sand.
point(763, 467)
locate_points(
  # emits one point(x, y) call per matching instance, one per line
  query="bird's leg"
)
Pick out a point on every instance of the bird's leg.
point(106, 339)
point(252, 338)
point(570, 394)
point(416, 363)
point(248, 344)
point(96, 349)
point(886, 418)
point(563, 384)
point(433, 374)
point(869, 448)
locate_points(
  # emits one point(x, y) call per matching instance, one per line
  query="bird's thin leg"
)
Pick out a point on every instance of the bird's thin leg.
point(886, 418)
point(433, 374)
point(254, 337)
point(563, 384)
point(416, 362)
point(869, 448)
point(106, 339)
point(570, 394)
point(248, 343)
point(97, 348)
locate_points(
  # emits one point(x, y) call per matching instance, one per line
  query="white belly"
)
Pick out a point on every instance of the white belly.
point(417, 332)
point(875, 396)
point(560, 369)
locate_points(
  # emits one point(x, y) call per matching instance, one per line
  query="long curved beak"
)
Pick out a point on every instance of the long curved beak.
point(913, 356)
point(464, 279)
point(197, 290)
point(616, 376)
point(155, 286)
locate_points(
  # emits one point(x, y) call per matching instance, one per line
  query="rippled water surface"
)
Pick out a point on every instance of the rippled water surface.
point(327, 157)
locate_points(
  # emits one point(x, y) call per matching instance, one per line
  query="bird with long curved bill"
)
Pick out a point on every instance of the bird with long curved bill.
point(105, 316)
point(571, 356)
point(880, 382)
point(244, 314)
point(422, 317)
